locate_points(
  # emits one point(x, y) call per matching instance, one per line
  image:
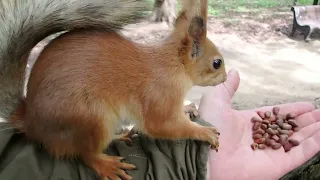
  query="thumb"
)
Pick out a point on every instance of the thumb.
point(232, 82)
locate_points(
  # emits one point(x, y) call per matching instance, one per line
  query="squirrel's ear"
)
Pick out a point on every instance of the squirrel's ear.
point(187, 11)
point(194, 24)
point(197, 33)
point(181, 19)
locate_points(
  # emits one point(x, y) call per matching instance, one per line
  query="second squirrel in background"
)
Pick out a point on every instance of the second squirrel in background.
point(87, 80)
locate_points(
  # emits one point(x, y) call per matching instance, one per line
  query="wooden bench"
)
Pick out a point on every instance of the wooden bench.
point(306, 18)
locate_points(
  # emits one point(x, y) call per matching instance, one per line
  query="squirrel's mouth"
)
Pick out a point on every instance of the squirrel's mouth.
point(214, 81)
point(224, 79)
point(220, 79)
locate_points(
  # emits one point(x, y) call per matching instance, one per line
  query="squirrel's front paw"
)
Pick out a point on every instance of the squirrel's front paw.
point(191, 111)
point(211, 135)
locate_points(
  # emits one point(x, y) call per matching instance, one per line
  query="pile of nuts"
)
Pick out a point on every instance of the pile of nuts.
point(273, 130)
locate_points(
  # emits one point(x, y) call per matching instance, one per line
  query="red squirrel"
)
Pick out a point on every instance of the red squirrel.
point(90, 78)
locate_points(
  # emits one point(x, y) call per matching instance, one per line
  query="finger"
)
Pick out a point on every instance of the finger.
point(306, 132)
point(232, 82)
point(308, 118)
point(306, 150)
point(298, 108)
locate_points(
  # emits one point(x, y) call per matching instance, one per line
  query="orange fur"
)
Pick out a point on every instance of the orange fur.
point(85, 81)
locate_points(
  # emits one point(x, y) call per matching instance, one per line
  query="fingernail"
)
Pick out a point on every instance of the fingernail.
point(232, 71)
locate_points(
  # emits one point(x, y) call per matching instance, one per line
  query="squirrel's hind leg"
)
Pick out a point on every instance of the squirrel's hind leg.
point(85, 135)
point(108, 166)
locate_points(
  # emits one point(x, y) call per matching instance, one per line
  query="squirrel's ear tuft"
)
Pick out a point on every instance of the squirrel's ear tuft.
point(196, 28)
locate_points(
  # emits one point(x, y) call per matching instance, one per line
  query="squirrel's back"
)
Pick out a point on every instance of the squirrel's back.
point(25, 23)
point(79, 61)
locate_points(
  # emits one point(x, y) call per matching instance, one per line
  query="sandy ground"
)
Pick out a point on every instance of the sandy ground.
point(273, 67)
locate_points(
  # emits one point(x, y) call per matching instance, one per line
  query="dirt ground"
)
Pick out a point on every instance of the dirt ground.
point(274, 68)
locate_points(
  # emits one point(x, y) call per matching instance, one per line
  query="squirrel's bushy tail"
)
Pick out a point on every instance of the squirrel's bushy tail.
point(16, 119)
point(24, 23)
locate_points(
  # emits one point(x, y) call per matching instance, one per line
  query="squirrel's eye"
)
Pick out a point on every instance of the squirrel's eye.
point(217, 63)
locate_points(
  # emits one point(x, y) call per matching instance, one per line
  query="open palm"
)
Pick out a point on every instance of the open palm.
point(236, 159)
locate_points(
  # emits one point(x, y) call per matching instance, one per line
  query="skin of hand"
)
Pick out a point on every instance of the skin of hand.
point(235, 158)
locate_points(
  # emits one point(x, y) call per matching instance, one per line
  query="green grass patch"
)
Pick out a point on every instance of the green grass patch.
point(221, 7)
point(227, 4)
point(251, 5)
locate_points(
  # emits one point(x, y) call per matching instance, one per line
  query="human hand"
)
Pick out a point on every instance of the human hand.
point(236, 159)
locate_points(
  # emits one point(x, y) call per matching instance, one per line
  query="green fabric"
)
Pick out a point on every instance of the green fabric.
point(155, 159)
